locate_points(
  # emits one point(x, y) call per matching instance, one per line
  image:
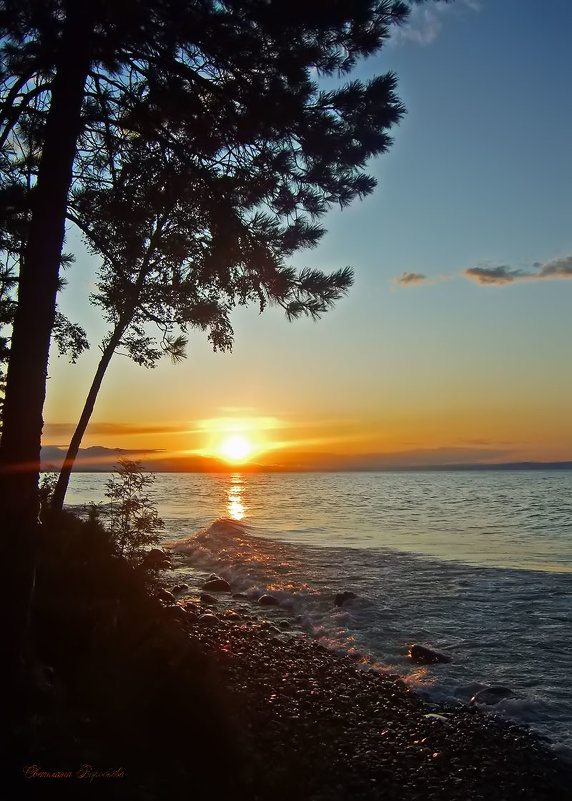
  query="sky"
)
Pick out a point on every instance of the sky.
point(453, 345)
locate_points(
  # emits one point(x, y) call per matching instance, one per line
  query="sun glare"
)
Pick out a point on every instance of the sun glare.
point(236, 448)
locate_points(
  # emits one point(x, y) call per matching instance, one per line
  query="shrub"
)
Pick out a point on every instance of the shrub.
point(132, 517)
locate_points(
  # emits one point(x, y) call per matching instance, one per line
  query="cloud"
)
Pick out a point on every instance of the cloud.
point(496, 275)
point(410, 279)
point(425, 24)
point(500, 276)
point(557, 268)
point(111, 429)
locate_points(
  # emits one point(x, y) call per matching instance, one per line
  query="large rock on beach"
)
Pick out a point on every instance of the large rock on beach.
point(342, 597)
point(491, 695)
point(421, 655)
point(268, 600)
point(216, 584)
point(156, 559)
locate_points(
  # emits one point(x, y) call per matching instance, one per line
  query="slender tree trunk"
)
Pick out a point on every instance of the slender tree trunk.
point(28, 364)
point(27, 369)
point(65, 472)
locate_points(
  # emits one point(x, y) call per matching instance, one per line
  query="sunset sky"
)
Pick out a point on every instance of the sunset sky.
point(454, 344)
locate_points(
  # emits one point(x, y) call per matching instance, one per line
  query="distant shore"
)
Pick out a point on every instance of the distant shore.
point(98, 459)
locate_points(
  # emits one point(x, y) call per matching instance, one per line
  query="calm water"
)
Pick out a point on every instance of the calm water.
point(477, 565)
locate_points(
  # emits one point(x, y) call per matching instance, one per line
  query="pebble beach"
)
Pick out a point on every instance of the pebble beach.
point(321, 727)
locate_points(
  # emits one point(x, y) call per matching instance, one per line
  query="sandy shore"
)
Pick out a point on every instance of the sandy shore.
point(321, 727)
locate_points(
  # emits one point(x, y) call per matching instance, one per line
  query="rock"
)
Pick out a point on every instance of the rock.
point(216, 584)
point(230, 614)
point(426, 656)
point(208, 620)
point(240, 596)
point(342, 597)
point(268, 600)
point(176, 612)
point(207, 599)
point(284, 624)
point(491, 695)
point(156, 559)
point(165, 596)
point(437, 717)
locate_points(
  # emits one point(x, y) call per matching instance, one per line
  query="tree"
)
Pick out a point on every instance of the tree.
point(156, 248)
point(235, 77)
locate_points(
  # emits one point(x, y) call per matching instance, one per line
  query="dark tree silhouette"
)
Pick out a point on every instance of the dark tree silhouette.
point(155, 230)
point(236, 78)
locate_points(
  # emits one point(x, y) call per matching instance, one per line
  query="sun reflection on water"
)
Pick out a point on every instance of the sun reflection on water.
point(235, 506)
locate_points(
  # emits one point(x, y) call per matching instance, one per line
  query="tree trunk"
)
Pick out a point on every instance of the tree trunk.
point(39, 271)
point(65, 472)
point(28, 363)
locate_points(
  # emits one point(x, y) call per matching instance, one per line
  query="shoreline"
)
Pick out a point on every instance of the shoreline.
point(159, 697)
point(326, 729)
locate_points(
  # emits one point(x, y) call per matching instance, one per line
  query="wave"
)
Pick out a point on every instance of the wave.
point(498, 625)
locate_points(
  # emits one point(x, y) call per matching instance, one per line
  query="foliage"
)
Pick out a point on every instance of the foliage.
point(217, 103)
point(133, 520)
point(47, 486)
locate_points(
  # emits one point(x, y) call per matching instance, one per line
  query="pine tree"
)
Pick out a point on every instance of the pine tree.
point(238, 78)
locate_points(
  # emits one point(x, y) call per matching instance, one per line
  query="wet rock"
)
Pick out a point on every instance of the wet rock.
point(180, 588)
point(216, 584)
point(436, 717)
point(240, 596)
point(207, 599)
point(421, 655)
point(491, 695)
point(165, 596)
point(208, 620)
point(230, 614)
point(342, 597)
point(284, 624)
point(176, 612)
point(268, 600)
point(156, 559)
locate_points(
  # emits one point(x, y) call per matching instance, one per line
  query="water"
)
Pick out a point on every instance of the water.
point(477, 565)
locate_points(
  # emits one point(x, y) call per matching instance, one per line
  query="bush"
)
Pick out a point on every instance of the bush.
point(132, 516)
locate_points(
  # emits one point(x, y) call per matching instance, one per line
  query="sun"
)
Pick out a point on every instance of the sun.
point(236, 448)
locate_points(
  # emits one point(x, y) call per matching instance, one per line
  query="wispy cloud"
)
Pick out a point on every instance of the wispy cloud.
point(557, 268)
point(111, 429)
point(503, 274)
point(500, 276)
point(425, 24)
point(410, 279)
point(496, 275)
